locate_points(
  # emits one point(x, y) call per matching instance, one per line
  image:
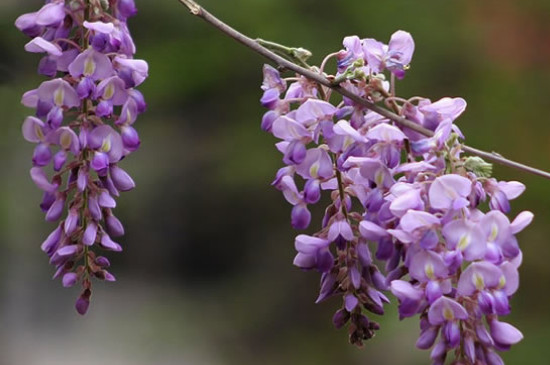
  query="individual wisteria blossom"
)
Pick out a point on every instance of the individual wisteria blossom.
point(82, 128)
point(408, 214)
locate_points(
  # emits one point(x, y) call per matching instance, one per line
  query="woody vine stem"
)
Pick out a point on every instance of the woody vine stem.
point(256, 45)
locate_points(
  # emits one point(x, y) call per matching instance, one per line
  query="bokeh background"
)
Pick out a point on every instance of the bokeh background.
point(206, 276)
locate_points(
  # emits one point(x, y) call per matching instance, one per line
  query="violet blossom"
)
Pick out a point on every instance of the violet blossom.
point(83, 127)
point(411, 201)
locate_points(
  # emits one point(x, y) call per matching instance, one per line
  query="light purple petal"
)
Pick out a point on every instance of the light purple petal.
point(305, 261)
point(512, 189)
point(371, 231)
point(317, 165)
point(313, 111)
point(309, 244)
point(426, 266)
point(91, 63)
point(446, 189)
point(58, 92)
point(401, 47)
point(41, 180)
point(504, 333)
point(340, 228)
point(139, 69)
point(479, 276)
point(90, 234)
point(40, 45)
point(445, 309)
point(33, 129)
point(374, 53)
point(51, 14)
point(410, 200)
point(344, 128)
point(101, 27)
point(350, 302)
point(386, 133)
point(415, 219)
point(404, 290)
point(109, 244)
point(522, 220)
point(467, 237)
point(289, 129)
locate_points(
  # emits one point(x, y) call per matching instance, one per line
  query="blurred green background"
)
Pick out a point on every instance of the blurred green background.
point(206, 275)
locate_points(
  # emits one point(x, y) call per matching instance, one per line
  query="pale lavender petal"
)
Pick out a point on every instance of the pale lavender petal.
point(106, 200)
point(40, 45)
point(27, 24)
point(512, 189)
point(109, 244)
point(340, 228)
point(58, 92)
point(33, 129)
point(386, 133)
point(445, 309)
point(71, 222)
point(344, 128)
point(504, 333)
point(305, 261)
point(51, 14)
point(426, 266)
point(309, 244)
point(374, 53)
point(41, 180)
point(112, 89)
point(101, 27)
point(371, 231)
point(288, 129)
point(446, 189)
point(510, 281)
point(467, 237)
point(401, 48)
point(121, 179)
point(522, 220)
point(316, 164)
point(477, 277)
point(90, 234)
point(93, 64)
point(313, 111)
point(138, 69)
point(30, 98)
point(415, 219)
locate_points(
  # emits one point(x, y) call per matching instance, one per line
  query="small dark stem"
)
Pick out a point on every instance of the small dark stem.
point(199, 11)
point(342, 194)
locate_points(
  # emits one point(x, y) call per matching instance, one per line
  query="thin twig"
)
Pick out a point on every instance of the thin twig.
point(199, 11)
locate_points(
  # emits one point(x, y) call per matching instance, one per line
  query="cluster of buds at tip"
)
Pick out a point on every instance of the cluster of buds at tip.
point(82, 127)
point(407, 212)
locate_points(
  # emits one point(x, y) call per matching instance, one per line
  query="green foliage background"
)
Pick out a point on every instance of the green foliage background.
point(206, 276)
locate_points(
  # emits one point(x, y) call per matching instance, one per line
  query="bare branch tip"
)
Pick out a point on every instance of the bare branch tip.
point(193, 7)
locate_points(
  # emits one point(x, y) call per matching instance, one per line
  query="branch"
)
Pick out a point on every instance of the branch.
point(199, 11)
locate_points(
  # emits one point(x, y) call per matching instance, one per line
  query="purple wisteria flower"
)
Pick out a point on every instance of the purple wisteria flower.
point(406, 210)
point(82, 128)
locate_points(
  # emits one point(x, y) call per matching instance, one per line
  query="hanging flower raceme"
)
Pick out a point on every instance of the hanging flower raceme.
point(406, 213)
point(82, 128)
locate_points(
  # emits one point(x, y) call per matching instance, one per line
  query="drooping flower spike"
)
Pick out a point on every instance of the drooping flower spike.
point(406, 213)
point(82, 127)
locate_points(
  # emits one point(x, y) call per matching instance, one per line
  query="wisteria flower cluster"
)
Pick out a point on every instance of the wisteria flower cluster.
point(83, 126)
point(408, 213)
